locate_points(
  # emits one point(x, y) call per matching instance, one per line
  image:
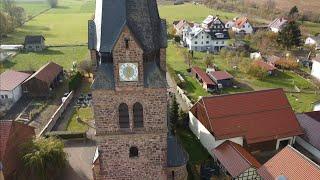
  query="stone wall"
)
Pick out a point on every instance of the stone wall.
point(115, 162)
point(163, 59)
point(132, 54)
point(180, 173)
point(106, 104)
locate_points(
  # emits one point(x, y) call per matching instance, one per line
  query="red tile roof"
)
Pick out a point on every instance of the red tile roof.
point(257, 116)
point(48, 72)
point(310, 123)
point(5, 127)
point(235, 158)
point(202, 75)
point(220, 75)
point(11, 79)
point(291, 164)
point(264, 65)
point(240, 22)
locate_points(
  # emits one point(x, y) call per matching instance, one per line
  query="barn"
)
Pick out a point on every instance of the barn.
point(43, 81)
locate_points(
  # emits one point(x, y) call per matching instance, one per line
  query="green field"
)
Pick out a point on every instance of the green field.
point(63, 56)
point(85, 114)
point(65, 25)
point(31, 7)
point(287, 80)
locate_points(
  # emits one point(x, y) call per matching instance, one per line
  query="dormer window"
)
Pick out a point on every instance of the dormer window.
point(126, 41)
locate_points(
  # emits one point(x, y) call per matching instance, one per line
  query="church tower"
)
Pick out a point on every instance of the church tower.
point(128, 40)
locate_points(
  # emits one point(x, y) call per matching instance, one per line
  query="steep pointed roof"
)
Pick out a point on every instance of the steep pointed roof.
point(141, 16)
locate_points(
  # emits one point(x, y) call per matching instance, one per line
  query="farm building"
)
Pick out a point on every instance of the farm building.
point(204, 79)
point(310, 123)
point(261, 120)
point(289, 164)
point(12, 135)
point(11, 88)
point(41, 83)
point(34, 43)
point(315, 72)
point(222, 78)
point(278, 24)
point(234, 160)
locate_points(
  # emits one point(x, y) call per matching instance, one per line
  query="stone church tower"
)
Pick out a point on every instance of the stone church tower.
point(128, 40)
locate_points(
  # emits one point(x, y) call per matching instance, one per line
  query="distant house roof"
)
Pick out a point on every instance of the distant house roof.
point(10, 79)
point(278, 23)
point(47, 73)
point(7, 128)
point(240, 22)
point(142, 18)
point(310, 123)
point(235, 158)
point(220, 75)
point(291, 164)
point(202, 75)
point(264, 65)
point(33, 39)
point(257, 116)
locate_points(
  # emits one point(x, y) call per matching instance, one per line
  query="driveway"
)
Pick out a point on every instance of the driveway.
point(80, 156)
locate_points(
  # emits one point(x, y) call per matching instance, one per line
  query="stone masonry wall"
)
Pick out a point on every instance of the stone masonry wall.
point(106, 104)
point(116, 163)
point(133, 54)
point(180, 173)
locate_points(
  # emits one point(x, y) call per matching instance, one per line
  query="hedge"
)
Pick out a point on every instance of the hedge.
point(75, 81)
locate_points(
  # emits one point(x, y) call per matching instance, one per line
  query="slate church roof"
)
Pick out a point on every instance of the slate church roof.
point(140, 16)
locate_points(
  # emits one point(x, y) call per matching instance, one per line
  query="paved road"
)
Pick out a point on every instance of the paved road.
point(173, 88)
point(80, 156)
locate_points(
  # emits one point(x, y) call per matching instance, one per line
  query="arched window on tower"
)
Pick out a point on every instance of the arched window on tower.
point(124, 116)
point(133, 152)
point(137, 115)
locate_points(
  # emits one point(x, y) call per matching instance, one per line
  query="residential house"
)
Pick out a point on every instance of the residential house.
point(236, 162)
point(12, 136)
point(310, 140)
point(242, 26)
point(204, 79)
point(211, 36)
point(222, 78)
point(40, 83)
point(289, 164)
point(313, 41)
point(34, 43)
point(278, 24)
point(316, 106)
point(11, 88)
point(181, 25)
point(267, 67)
point(315, 72)
point(258, 121)
point(229, 24)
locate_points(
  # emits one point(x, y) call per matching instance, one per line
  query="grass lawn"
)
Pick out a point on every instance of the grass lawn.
point(63, 56)
point(85, 114)
point(31, 7)
point(287, 80)
point(65, 25)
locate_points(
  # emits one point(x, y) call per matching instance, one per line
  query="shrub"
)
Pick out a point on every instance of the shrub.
point(256, 71)
point(287, 64)
point(75, 81)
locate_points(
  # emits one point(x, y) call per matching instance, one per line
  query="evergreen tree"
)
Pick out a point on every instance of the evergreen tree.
point(174, 113)
point(294, 12)
point(290, 35)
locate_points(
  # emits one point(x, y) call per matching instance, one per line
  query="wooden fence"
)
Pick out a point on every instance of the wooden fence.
point(48, 127)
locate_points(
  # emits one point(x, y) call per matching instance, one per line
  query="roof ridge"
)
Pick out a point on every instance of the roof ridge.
point(304, 157)
point(241, 93)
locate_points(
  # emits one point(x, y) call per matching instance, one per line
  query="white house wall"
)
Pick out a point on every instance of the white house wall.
point(247, 28)
point(205, 137)
point(308, 147)
point(13, 95)
point(316, 70)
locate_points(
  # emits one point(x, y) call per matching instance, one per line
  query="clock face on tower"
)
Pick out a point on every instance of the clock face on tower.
point(128, 72)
